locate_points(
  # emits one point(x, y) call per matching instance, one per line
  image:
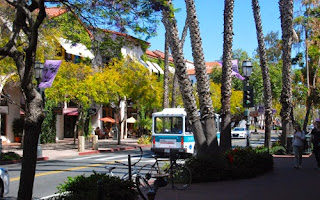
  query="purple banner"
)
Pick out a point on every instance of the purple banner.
point(235, 69)
point(49, 72)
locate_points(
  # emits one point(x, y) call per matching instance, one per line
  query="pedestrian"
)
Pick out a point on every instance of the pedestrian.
point(315, 139)
point(298, 145)
point(98, 132)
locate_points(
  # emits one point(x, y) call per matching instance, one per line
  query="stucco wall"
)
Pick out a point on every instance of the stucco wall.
point(14, 108)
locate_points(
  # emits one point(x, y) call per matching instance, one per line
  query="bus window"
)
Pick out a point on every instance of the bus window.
point(170, 125)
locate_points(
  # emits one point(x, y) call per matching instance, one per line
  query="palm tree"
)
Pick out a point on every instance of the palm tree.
point(203, 89)
point(186, 89)
point(286, 15)
point(265, 72)
point(166, 74)
point(226, 83)
point(175, 78)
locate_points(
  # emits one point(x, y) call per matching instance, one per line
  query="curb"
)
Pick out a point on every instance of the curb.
point(8, 162)
point(108, 150)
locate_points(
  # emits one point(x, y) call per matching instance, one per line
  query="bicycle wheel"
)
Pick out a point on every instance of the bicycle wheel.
point(181, 177)
point(143, 187)
point(147, 171)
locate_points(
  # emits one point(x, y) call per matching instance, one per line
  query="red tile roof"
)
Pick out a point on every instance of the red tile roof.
point(210, 66)
point(158, 54)
point(213, 64)
point(55, 12)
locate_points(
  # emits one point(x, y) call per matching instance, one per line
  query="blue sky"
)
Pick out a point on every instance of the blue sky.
point(210, 16)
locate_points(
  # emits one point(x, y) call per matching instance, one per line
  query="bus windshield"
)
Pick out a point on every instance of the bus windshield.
point(169, 125)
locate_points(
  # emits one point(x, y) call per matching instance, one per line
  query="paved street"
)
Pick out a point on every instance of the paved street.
point(284, 182)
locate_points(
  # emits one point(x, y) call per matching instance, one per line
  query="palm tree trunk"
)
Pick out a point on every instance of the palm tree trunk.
point(186, 89)
point(203, 89)
point(226, 84)
point(166, 74)
point(175, 78)
point(265, 73)
point(286, 15)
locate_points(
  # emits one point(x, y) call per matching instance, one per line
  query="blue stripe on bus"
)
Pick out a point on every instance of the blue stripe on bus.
point(177, 138)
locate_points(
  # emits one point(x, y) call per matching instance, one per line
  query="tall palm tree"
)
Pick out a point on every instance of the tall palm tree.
point(186, 89)
point(226, 84)
point(166, 73)
point(286, 15)
point(265, 72)
point(175, 78)
point(203, 89)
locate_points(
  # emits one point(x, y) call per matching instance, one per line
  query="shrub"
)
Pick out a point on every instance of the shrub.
point(144, 139)
point(275, 149)
point(10, 156)
point(83, 188)
point(233, 164)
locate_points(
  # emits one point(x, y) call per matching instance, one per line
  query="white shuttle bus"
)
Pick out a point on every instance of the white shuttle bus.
point(171, 130)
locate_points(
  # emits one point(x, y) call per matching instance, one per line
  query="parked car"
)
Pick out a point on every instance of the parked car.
point(4, 182)
point(239, 132)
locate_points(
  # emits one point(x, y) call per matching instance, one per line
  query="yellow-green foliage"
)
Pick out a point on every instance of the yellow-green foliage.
point(71, 84)
point(144, 139)
point(236, 98)
point(122, 78)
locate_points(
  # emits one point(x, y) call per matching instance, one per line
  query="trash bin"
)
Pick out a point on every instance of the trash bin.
point(308, 139)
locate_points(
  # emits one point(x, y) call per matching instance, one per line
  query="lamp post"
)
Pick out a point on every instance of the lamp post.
point(247, 95)
point(38, 68)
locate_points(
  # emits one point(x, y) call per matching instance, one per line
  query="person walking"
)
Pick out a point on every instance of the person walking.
point(315, 139)
point(298, 145)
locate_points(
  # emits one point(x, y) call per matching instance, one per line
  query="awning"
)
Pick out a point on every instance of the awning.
point(70, 111)
point(153, 68)
point(131, 120)
point(107, 119)
point(158, 68)
point(77, 49)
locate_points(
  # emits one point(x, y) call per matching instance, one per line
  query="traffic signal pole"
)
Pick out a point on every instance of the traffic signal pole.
point(247, 103)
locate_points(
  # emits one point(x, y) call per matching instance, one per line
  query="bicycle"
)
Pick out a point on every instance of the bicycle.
point(131, 174)
point(178, 175)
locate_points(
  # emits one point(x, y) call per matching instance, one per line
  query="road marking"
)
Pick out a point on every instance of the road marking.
point(109, 158)
point(65, 170)
point(86, 157)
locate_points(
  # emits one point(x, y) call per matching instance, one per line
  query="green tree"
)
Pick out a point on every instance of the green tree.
point(22, 49)
point(307, 26)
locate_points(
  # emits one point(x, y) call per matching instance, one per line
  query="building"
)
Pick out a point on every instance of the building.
point(12, 101)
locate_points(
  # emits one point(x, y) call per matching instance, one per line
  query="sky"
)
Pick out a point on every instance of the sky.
point(210, 16)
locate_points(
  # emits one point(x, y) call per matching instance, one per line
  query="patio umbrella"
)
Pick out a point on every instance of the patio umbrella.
point(107, 119)
point(131, 120)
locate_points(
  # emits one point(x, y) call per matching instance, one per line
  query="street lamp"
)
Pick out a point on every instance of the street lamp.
point(247, 94)
point(38, 68)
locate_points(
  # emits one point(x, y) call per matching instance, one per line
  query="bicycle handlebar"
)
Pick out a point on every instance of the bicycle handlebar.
point(141, 152)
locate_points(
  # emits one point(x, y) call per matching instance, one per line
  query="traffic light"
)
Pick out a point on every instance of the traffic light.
point(248, 97)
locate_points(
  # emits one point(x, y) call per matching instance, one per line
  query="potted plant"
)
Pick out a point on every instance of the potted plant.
point(17, 128)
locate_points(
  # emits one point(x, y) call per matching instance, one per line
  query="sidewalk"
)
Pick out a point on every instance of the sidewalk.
point(67, 148)
point(284, 182)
